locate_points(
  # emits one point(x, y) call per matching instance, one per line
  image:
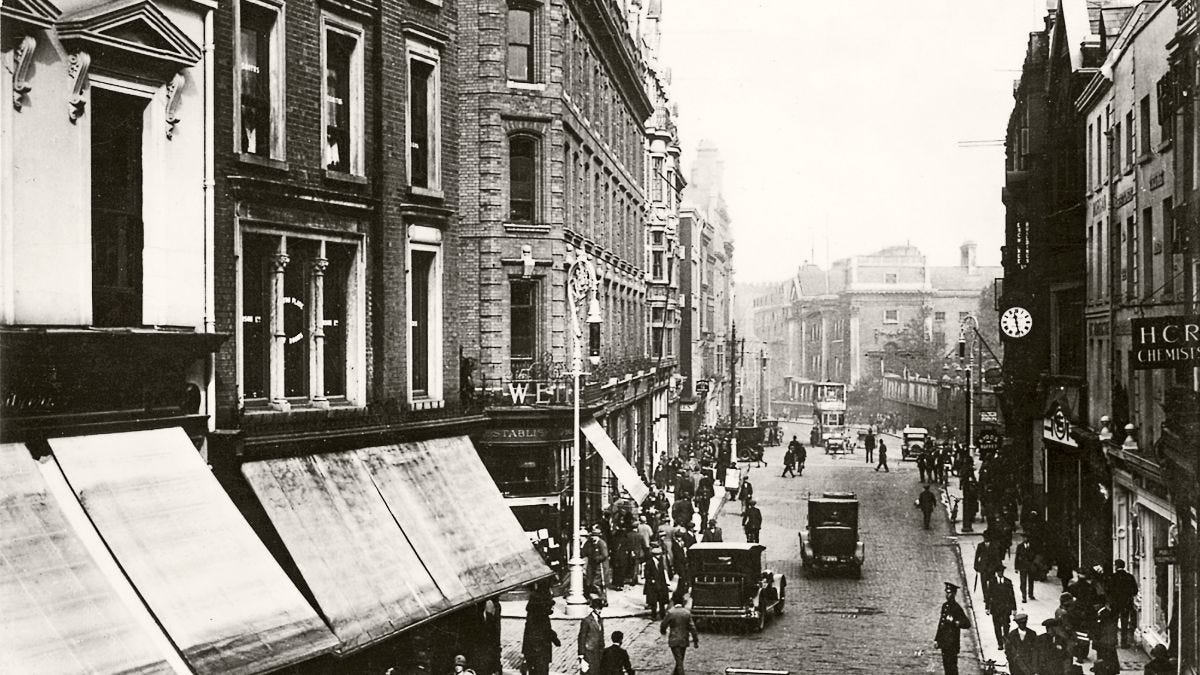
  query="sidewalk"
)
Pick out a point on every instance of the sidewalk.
point(1039, 609)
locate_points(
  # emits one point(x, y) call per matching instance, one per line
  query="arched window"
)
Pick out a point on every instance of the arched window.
point(522, 178)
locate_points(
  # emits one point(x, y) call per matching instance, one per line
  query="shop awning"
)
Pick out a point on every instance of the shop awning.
point(386, 537)
point(66, 606)
point(621, 468)
point(201, 570)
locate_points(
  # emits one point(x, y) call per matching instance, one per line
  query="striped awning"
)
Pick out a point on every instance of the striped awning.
point(388, 536)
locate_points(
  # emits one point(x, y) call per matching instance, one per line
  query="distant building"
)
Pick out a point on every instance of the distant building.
point(837, 324)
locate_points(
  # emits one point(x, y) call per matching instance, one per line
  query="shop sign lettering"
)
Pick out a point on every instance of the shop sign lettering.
point(1157, 180)
point(537, 392)
point(1165, 342)
point(1126, 196)
point(1056, 427)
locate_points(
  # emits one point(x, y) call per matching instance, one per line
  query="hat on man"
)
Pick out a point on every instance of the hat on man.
point(1097, 569)
point(596, 529)
point(951, 588)
point(1050, 622)
point(1021, 617)
point(751, 502)
point(460, 660)
point(654, 550)
point(597, 603)
point(1066, 597)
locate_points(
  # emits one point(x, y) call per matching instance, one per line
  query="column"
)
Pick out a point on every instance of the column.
point(316, 330)
point(279, 263)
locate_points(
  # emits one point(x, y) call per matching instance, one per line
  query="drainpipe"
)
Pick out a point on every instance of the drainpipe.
point(209, 215)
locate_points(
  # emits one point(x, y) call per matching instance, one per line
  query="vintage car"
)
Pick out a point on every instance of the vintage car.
point(729, 584)
point(831, 539)
point(913, 441)
point(838, 441)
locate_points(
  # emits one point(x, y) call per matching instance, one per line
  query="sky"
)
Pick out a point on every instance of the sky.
point(840, 122)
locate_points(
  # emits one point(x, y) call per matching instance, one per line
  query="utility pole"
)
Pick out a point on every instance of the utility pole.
point(733, 359)
point(762, 370)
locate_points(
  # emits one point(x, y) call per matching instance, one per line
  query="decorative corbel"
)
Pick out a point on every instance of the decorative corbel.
point(174, 89)
point(22, 60)
point(78, 72)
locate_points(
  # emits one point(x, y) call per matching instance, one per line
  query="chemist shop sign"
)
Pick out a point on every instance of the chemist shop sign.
point(1165, 342)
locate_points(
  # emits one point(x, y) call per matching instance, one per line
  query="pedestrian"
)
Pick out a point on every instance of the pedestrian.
point(1121, 589)
point(869, 444)
point(1053, 653)
point(1066, 567)
point(646, 534)
point(1023, 563)
point(682, 511)
point(801, 458)
point(591, 639)
point(789, 460)
point(986, 563)
point(923, 467)
point(1160, 662)
point(745, 493)
point(595, 551)
point(704, 495)
point(666, 538)
point(926, 501)
point(712, 533)
point(460, 665)
point(678, 626)
point(540, 639)
point(751, 521)
point(1002, 603)
point(614, 660)
point(657, 588)
point(1020, 646)
point(882, 458)
point(635, 552)
point(951, 622)
point(1105, 636)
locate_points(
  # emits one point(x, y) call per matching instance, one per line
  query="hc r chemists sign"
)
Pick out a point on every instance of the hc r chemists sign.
point(1165, 342)
point(1056, 427)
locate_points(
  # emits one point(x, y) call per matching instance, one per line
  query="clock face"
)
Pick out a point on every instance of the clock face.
point(1016, 322)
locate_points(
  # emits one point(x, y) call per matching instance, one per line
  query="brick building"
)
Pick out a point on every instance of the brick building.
point(559, 106)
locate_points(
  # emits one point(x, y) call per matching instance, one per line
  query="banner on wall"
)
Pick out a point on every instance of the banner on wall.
point(1165, 342)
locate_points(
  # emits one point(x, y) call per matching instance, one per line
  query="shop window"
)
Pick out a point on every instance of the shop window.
point(520, 44)
point(297, 297)
point(342, 92)
point(260, 84)
point(117, 227)
point(522, 178)
point(425, 314)
point(522, 324)
point(521, 471)
point(424, 125)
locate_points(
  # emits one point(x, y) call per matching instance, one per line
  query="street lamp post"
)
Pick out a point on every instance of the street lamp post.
point(582, 294)
point(969, 354)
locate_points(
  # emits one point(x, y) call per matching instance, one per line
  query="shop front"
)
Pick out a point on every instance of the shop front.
point(1077, 489)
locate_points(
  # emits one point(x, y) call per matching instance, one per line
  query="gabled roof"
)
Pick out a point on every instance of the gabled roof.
point(136, 27)
point(39, 13)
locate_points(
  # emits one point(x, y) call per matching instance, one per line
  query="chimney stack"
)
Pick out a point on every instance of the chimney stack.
point(967, 258)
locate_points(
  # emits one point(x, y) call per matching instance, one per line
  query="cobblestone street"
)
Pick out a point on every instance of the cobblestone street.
point(883, 623)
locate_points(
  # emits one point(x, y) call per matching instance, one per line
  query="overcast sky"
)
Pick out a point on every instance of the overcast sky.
point(839, 122)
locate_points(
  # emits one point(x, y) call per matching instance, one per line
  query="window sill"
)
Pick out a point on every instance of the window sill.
point(343, 177)
point(526, 86)
point(298, 407)
point(265, 162)
point(538, 228)
point(426, 404)
point(426, 192)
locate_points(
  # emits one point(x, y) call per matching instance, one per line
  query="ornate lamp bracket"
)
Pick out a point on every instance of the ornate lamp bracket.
point(78, 72)
point(22, 60)
point(174, 89)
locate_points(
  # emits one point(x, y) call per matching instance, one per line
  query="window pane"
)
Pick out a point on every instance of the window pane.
point(420, 76)
point(296, 282)
point(116, 208)
point(518, 63)
point(337, 282)
point(339, 48)
point(521, 172)
point(520, 26)
point(522, 324)
point(256, 254)
point(520, 45)
point(422, 266)
point(255, 67)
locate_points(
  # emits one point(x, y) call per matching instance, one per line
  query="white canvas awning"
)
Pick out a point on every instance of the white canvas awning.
point(626, 475)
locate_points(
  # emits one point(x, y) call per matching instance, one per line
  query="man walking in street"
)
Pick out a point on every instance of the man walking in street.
point(801, 458)
point(1023, 563)
point(1121, 590)
point(614, 660)
point(595, 551)
point(882, 458)
point(657, 588)
point(751, 521)
point(869, 444)
point(1020, 646)
point(745, 493)
point(789, 459)
point(712, 533)
point(678, 626)
point(1002, 604)
point(951, 622)
point(926, 501)
point(539, 639)
point(591, 639)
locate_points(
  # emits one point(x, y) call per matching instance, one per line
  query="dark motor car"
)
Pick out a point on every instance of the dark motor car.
point(831, 539)
point(729, 582)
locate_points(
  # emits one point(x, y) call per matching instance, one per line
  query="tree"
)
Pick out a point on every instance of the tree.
point(989, 322)
point(918, 348)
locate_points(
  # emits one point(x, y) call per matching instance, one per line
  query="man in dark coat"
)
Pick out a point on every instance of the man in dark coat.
point(591, 639)
point(539, 640)
point(789, 461)
point(926, 501)
point(1053, 655)
point(678, 626)
point(987, 561)
point(682, 512)
point(751, 521)
point(1024, 563)
point(704, 495)
point(656, 589)
point(614, 660)
point(801, 458)
point(595, 551)
point(712, 532)
point(950, 623)
point(869, 444)
point(882, 457)
point(1002, 603)
point(1020, 646)
point(1121, 589)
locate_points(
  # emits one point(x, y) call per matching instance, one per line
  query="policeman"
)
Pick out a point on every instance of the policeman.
point(952, 620)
